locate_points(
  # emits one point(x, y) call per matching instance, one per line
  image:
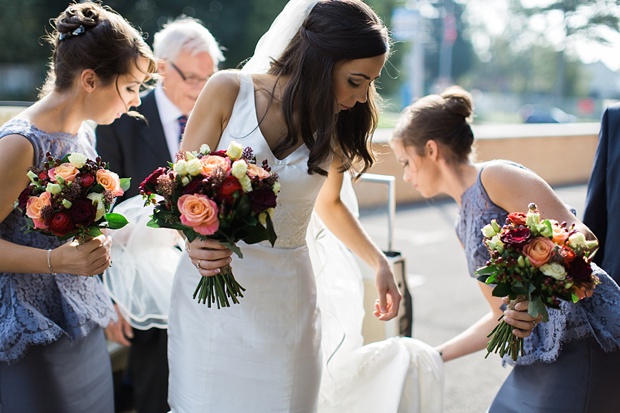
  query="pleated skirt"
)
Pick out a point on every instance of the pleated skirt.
point(584, 379)
point(61, 377)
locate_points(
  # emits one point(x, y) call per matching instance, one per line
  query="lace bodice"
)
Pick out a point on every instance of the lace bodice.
point(597, 316)
point(298, 191)
point(40, 308)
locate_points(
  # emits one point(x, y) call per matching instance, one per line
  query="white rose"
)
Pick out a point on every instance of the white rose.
point(53, 188)
point(246, 183)
point(553, 269)
point(181, 167)
point(77, 159)
point(205, 149)
point(577, 240)
point(194, 167)
point(239, 170)
point(234, 150)
point(97, 200)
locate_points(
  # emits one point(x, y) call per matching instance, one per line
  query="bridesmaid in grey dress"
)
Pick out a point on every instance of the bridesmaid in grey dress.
point(53, 353)
point(571, 363)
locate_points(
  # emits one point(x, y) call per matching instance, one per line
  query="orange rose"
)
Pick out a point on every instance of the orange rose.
point(213, 163)
point(34, 207)
point(199, 213)
point(539, 250)
point(110, 182)
point(560, 234)
point(256, 171)
point(66, 171)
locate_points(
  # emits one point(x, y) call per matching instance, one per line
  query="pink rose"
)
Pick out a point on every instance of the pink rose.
point(213, 163)
point(199, 213)
point(66, 171)
point(109, 181)
point(539, 250)
point(256, 171)
point(35, 205)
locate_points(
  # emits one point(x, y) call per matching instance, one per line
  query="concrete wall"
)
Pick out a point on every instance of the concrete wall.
point(559, 153)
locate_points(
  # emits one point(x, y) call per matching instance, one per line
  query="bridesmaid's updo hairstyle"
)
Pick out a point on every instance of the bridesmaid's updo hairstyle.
point(90, 36)
point(334, 31)
point(442, 118)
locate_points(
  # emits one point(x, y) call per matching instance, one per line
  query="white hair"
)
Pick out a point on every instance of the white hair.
point(188, 34)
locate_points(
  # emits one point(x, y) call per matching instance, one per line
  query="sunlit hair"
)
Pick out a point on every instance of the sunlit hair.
point(188, 34)
point(90, 36)
point(334, 31)
point(442, 118)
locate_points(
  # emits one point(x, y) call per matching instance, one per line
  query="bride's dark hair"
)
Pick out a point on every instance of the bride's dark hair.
point(334, 31)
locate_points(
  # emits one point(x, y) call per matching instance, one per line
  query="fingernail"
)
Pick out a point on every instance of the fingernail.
point(507, 319)
point(383, 310)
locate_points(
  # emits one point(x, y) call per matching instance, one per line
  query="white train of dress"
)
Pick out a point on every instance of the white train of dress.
point(395, 375)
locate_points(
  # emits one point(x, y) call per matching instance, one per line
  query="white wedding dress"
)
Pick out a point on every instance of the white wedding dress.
point(262, 355)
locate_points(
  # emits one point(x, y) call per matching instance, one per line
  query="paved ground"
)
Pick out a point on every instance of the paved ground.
point(446, 300)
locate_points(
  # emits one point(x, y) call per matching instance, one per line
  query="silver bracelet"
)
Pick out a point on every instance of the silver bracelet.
point(49, 261)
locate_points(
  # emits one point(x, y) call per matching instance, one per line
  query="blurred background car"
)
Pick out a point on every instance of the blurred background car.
point(545, 114)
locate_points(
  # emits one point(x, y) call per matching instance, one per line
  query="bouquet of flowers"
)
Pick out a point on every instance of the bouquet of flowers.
point(221, 195)
point(72, 197)
point(542, 261)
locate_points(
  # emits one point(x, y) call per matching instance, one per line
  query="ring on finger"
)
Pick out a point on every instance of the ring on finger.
point(534, 322)
point(198, 267)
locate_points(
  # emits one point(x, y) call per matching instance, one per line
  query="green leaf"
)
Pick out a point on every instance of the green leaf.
point(153, 223)
point(536, 307)
point(116, 221)
point(501, 290)
point(94, 231)
point(233, 247)
point(125, 183)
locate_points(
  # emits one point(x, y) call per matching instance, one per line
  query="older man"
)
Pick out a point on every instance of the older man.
point(188, 55)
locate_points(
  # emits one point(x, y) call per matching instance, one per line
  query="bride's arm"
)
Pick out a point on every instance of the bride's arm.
point(343, 224)
point(212, 111)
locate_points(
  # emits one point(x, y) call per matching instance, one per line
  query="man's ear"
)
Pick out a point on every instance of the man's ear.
point(88, 80)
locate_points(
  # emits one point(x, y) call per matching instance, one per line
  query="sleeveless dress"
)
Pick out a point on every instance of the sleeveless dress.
point(571, 362)
point(53, 355)
point(261, 355)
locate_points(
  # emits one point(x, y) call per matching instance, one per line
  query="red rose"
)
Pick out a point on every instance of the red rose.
point(194, 185)
point(517, 218)
point(228, 189)
point(262, 199)
point(221, 153)
point(516, 237)
point(86, 180)
point(149, 185)
point(22, 201)
point(580, 271)
point(83, 212)
point(61, 223)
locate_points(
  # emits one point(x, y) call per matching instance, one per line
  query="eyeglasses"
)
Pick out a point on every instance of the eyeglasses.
point(190, 80)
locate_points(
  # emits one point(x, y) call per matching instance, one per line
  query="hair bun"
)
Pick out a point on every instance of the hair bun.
point(458, 101)
point(74, 17)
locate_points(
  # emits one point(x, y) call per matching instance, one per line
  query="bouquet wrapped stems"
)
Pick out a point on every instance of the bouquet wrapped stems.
point(219, 288)
point(502, 341)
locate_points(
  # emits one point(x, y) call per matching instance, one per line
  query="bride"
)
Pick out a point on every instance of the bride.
point(310, 114)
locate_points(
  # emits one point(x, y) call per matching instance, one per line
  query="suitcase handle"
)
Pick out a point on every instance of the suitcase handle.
point(391, 204)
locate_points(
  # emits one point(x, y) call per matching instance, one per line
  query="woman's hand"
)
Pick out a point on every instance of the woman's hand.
point(521, 319)
point(387, 305)
point(90, 258)
point(208, 256)
point(121, 331)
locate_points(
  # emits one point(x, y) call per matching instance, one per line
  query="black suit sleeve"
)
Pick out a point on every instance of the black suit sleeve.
point(109, 147)
point(595, 214)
